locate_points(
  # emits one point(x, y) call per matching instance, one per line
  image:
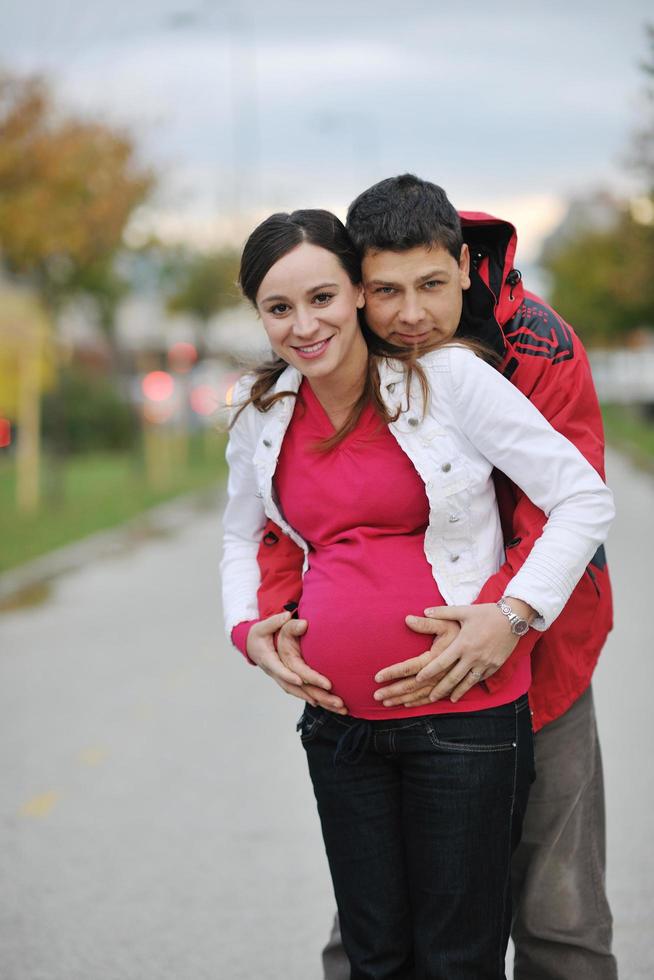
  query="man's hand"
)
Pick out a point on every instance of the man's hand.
point(401, 686)
point(287, 667)
point(480, 649)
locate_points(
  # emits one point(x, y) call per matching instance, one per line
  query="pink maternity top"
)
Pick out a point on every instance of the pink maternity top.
point(363, 511)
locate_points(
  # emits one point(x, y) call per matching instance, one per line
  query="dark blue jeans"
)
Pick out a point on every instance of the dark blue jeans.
point(420, 817)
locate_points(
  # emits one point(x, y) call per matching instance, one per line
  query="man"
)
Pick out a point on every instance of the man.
point(562, 922)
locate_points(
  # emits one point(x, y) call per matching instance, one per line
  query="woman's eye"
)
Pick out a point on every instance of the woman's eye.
point(278, 308)
point(322, 298)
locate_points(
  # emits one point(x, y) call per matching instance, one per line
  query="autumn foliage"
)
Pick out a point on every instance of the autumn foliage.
point(67, 187)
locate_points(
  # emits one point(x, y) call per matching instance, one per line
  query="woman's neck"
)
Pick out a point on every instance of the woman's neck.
point(339, 391)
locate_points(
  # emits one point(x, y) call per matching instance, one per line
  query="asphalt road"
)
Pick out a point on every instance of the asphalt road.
point(156, 818)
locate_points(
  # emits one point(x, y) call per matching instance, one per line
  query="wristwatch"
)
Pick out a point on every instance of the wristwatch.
point(518, 626)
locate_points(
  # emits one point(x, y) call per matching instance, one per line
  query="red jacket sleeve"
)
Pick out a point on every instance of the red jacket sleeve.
point(564, 392)
point(280, 564)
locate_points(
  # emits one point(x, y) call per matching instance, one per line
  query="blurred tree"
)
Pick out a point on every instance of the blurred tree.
point(602, 278)
point(641, 155)
point(206, 284)
point(26, 371)
point(67, 190)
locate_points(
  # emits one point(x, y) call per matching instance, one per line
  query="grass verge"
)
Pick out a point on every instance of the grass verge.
point(629, 429)
point(93, 492)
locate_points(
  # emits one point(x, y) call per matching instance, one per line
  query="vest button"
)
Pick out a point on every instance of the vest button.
point(267, 443)
point(446, 467)
point(413, 422)
point(454, 557)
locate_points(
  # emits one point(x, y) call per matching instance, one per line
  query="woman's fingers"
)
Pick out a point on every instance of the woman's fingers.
point(289, 651)
point(316, 696)
point(272, 665)
point(440, 665)
point(474, 676)
point(307, 675)
point(464, 674)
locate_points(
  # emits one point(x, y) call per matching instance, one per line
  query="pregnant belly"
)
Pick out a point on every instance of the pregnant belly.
point(356, 624)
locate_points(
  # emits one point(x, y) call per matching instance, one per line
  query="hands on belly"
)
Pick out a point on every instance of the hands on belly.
point(285, 664)
point(470, 643)
point(460, 657)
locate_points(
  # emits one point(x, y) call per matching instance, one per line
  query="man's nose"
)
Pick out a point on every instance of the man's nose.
point(411, 311)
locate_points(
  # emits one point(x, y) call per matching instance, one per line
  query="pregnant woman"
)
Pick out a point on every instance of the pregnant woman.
point(378, 464)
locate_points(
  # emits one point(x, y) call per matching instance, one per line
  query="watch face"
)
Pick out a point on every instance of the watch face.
point(521, 627)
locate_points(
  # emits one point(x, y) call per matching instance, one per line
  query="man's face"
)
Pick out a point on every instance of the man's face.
point(415, 297)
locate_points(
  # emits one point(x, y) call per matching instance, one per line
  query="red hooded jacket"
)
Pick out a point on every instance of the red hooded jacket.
point(546, 361)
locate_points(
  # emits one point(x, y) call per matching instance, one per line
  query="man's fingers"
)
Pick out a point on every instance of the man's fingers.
point(404, 668)
point(396, 690)
point(418, 696)
point(296, 627)
point(270, 625)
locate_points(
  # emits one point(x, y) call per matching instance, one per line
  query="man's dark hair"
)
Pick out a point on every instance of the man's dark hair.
point(404, 212)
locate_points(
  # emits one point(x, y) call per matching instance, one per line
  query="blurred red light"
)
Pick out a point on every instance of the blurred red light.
point(157, 386)
point(5, 433)
point(181, 356)
point(204, 400)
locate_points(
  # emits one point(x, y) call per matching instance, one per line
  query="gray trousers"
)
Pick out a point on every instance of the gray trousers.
point(562, 926)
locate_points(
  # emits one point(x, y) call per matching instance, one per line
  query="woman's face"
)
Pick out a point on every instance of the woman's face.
point(308, 307)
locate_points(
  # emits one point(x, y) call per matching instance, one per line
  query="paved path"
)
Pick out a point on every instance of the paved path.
point(156, 819)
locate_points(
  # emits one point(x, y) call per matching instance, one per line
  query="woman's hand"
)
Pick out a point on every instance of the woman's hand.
point(484, 643)
point(401, 686)
point(297, 679)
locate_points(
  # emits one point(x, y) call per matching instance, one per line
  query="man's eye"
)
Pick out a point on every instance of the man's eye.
point(323, 298)
point(432, 283)
point(385, 290)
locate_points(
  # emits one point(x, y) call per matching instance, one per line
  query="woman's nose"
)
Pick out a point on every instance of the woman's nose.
point(305, 324)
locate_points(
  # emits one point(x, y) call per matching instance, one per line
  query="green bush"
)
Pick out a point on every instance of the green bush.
point(85, 414)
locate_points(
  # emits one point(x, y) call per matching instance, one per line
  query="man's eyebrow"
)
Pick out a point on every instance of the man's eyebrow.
point(313, 289)
point(424, 278)
point(432, 275)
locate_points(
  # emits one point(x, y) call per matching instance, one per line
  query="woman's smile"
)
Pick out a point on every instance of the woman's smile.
point(312, 350)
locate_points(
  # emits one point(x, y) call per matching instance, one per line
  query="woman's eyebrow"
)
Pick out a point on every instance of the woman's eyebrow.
point(322, 285)
point(313, 289)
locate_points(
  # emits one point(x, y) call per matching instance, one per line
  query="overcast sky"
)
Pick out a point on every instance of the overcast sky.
point(249, 106)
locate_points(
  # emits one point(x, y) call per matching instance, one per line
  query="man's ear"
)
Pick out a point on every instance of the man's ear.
point(464, 267)
point(361, 297)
